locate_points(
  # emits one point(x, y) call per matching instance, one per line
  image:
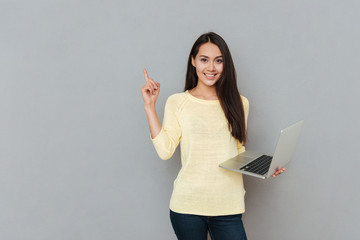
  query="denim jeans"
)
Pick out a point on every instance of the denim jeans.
point(195, 227)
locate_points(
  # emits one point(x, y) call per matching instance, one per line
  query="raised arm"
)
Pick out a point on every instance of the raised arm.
point(150, 93)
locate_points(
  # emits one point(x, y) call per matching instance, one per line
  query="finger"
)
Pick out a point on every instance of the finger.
point(146, 76)
point(150, 87)
point(153, 83)
point(158, 89)
point(157, 84)
point(278, 172)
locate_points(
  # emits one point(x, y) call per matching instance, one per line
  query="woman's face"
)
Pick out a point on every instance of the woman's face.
point(209, 64)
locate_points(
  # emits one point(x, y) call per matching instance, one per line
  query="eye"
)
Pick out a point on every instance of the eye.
point(219, 61)
point(203, 60)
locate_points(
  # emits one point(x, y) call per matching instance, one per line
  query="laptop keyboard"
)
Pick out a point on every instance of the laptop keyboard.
point(260, 165)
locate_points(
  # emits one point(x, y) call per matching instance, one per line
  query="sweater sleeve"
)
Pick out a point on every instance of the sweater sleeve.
point(240, 146)
point(168, 139)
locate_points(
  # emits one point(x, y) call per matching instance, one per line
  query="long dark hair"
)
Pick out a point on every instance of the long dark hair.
point(226, 87)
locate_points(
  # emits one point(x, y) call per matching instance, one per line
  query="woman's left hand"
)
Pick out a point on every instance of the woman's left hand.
point(278, 172)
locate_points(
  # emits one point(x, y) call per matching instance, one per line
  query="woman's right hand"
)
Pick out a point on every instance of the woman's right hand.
point(150, 91)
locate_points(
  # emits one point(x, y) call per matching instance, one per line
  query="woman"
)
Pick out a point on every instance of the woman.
point(209, 122)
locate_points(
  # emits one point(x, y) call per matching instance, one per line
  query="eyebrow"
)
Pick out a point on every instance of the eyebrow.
point(208, 57)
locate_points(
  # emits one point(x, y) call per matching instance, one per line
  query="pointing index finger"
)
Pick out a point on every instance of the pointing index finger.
point(146, 75)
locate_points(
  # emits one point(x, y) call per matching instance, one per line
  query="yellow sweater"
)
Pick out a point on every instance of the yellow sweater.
point(201, 187)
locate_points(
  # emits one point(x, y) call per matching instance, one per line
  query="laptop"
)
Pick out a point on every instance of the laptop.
point(263, 166)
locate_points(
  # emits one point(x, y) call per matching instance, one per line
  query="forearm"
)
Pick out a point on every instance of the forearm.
point(153, 120)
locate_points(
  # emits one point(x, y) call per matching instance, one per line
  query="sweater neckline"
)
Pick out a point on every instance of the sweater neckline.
point(198, 99)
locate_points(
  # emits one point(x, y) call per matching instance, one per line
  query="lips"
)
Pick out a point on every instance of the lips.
point(210, 75)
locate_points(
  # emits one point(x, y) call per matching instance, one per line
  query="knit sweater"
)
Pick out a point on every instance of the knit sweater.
point(201, 128)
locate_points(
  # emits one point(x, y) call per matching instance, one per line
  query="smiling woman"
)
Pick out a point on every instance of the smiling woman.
point(208, 120)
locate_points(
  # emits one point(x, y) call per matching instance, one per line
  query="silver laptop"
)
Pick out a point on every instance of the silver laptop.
point(263, 166)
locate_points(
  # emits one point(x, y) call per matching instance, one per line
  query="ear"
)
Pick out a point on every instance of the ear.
point(193, 61)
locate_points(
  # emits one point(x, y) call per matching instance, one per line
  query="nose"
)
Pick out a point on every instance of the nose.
point(211, 66)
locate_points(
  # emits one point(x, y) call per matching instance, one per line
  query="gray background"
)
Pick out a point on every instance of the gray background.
point(76, 157)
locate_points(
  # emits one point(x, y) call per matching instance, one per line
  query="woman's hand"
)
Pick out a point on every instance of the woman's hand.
point(150, 91)
point(278, 172)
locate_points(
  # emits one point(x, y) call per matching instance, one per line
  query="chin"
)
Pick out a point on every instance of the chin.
point(210, 83)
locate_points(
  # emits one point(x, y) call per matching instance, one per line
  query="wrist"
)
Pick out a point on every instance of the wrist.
point(149, 107)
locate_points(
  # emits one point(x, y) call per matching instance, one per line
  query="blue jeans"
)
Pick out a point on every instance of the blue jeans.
point(195, 227)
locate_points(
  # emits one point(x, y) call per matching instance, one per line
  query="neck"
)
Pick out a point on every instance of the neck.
point(204, 92)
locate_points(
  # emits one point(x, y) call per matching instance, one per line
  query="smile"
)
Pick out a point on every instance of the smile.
point(209, 75)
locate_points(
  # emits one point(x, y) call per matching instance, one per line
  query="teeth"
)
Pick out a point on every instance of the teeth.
point(210, 75)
